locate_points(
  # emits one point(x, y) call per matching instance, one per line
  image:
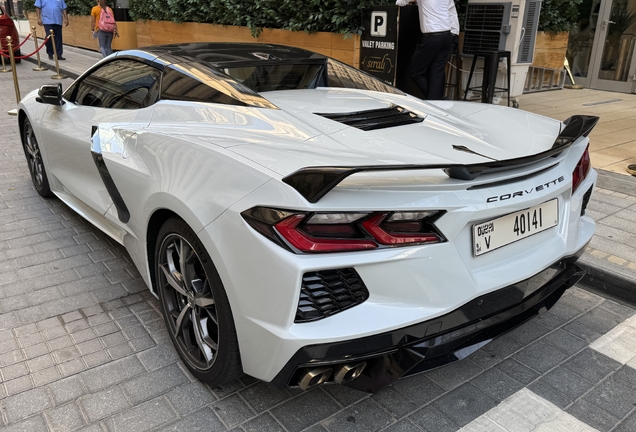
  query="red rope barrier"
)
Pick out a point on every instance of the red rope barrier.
point(28, 55)
point(15, 48)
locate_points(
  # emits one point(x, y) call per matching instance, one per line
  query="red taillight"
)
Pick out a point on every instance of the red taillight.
point(400, 233)
point(349, 231)
point(581, 170)
point(288, 228)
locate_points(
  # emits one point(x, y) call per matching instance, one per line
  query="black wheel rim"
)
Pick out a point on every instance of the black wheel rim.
point(33, 155)
point(188, 302)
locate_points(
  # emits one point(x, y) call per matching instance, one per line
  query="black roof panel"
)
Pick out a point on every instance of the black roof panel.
point(224, 54)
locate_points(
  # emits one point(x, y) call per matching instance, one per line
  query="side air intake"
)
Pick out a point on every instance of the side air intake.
point(327, 292)
point(376, 119)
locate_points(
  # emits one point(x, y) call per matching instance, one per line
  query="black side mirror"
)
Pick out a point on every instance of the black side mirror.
point(50, 94)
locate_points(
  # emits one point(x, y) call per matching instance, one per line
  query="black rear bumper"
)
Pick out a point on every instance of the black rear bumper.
point(439, 341)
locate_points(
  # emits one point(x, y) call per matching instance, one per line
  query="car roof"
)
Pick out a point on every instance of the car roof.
point(224, 54)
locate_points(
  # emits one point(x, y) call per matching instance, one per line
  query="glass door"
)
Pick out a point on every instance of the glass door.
point(601, 46)
point(615, 67)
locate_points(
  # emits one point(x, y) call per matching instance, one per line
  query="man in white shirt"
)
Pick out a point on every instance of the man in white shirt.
point(438, 18)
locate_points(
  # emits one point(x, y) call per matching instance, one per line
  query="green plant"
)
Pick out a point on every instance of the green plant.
point(623, 20)
point(338, 16)
point(74, 7)
point(559, 15)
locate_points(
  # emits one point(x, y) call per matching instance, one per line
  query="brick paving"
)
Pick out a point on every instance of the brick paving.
point(83, 346)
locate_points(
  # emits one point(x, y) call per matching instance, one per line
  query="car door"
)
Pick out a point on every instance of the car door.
point(120, 92)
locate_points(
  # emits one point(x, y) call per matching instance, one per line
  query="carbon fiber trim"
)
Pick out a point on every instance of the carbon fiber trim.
point(313, 183)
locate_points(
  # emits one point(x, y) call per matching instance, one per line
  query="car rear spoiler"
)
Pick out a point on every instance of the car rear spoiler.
point(313, 183)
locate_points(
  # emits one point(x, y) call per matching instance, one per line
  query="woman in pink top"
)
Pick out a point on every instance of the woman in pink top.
point(103, 26)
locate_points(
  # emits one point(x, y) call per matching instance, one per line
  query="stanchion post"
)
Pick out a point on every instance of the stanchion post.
point(57, 63)
point(37, 52)
point(4, 66)
point(15, 75)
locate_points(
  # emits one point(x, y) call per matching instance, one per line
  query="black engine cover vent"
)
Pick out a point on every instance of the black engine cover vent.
point(376, 118)
point(327, 292)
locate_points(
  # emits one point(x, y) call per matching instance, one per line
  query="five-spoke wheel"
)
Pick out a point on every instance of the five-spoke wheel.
point(195, 305)
point(34, 160)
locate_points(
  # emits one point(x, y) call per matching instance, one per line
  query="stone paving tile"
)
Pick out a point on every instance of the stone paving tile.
point(432, 420)
point(305, 410)
point(155, 383)
point(464, 404)
point(65, 418)
point(104, 403)
point(261, 397)
point(142, 417)
point(203, 420)
point(363, 416)
point(263, 423)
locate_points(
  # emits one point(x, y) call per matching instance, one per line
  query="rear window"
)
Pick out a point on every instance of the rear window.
point(271, 77)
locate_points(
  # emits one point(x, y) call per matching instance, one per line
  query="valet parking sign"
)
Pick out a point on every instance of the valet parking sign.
point(378, 43)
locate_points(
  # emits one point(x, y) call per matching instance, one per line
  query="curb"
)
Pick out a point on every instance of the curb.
point(609, 284)
point(72, 75)
point(601, 280)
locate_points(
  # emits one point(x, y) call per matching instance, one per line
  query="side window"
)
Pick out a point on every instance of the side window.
point(177, 85)
point(194, 82)
point(122, 84)
point(341, 75)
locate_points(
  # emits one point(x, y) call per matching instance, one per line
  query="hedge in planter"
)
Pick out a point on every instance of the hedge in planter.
point(74, 7)
point(336, 16)
point(558, 15)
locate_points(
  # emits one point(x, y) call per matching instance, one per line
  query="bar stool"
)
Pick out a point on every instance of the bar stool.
point(491, 66)
point(454, 88)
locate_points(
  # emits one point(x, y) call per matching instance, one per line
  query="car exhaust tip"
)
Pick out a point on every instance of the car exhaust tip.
point(314, 377)
point(348, 372)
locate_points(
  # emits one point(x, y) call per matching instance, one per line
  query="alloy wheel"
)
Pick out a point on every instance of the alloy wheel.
point(188, 301)
point(34, 157)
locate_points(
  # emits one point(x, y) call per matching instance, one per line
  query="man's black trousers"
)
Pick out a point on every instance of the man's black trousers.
point(429, 63)
point(57, 31)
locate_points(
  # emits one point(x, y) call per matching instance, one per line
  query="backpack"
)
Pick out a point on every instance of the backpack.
point(106, 20)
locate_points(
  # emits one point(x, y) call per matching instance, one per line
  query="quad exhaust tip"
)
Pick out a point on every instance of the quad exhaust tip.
point(314, 377)
point(342, 374)
point(348, 372)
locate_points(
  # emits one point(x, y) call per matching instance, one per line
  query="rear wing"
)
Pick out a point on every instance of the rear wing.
point(313, 183)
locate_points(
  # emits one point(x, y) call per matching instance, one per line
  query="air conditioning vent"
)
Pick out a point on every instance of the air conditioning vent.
point(530, 24)
point(376, 119)
point(486, 26)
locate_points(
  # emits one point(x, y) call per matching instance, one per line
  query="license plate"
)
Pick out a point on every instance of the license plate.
point(491, 235)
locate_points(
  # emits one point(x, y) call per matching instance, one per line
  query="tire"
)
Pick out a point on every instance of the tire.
point(17, 53)
point(195, 306)
point(34, 160)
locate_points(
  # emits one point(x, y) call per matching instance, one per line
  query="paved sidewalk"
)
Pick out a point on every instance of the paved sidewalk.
point(83, 345)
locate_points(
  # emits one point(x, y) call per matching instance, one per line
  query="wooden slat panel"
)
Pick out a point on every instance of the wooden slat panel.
point(148, 33)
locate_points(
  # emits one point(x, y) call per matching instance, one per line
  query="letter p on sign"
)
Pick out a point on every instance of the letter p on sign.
point(378, 23)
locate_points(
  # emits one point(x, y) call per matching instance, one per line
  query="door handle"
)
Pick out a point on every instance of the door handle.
point(606, 22)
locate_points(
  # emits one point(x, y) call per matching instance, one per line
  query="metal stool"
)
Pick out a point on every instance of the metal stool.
point(453, 89)
point(491, 66)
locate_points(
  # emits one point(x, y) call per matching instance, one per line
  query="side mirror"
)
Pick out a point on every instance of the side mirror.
point(50, 94)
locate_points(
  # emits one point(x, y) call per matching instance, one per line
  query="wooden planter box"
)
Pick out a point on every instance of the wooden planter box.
point(330, 44)
point(78, 33)
point(550, 49)
point(146, 33)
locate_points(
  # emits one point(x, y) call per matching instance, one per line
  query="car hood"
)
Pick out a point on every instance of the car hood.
point(296, 136)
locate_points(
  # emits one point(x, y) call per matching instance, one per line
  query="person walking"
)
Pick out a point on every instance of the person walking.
point(103, 26)
point(52, 14)
point(433, 50)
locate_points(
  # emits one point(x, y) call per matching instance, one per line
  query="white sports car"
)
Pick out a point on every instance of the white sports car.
point(304, 223)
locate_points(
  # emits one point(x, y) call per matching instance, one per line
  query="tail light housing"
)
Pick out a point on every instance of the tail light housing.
point(581, 170)
point(320, 232)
